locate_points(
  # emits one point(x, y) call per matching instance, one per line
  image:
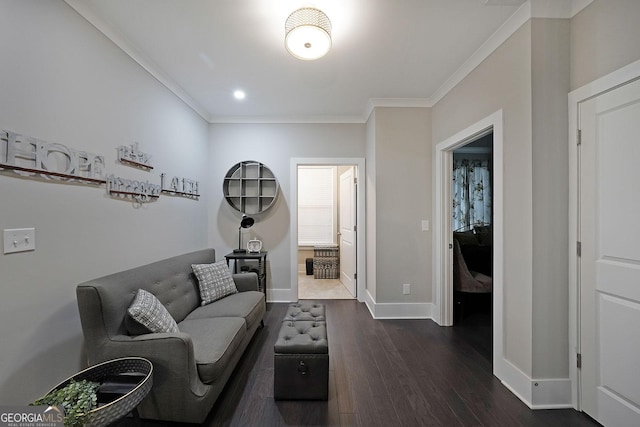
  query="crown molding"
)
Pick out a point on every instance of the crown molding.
point(395, 103)
point(506, 30)
point(85, 11)
point(564, 9)
point(530, 9)
point(288, 119)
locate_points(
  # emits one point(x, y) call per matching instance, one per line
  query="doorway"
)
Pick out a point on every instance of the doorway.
point(472, 237)
point(444, 245)
point(326, 206)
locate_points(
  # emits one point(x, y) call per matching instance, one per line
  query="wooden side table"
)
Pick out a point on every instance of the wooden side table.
point(260, 257)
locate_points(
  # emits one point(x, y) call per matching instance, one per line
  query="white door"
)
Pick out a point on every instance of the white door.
point(347, 220)
point(609, 271)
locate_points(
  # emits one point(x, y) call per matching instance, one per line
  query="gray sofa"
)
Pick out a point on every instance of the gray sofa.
point(191, 367)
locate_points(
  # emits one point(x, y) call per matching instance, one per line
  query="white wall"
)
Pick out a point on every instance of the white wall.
point(63, 82)
point(274, 145)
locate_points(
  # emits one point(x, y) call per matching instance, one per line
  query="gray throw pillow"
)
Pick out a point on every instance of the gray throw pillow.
point(147, 311)
point(214, 280)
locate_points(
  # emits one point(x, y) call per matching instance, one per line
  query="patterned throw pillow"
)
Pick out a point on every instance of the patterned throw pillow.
point(214, 280)
point(151, 314)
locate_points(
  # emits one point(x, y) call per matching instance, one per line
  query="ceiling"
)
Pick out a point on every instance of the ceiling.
point(204, 50)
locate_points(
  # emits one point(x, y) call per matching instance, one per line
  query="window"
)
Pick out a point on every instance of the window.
point(316, 205)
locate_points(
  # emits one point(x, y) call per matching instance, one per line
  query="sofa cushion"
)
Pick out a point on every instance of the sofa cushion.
point(214, 280)
point(149, 315)
point(214, 343)
point(247, 305)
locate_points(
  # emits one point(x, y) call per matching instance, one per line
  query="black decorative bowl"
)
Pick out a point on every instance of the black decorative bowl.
point(123, 405)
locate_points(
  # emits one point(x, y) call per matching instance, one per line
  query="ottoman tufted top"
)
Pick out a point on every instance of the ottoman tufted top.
point(302, 337)
point(305, 311)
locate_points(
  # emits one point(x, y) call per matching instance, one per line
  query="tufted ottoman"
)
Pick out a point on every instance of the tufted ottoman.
point(301, 362)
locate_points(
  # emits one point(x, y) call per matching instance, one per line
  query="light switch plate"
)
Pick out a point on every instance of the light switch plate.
point(19, 240)
point(425, 225)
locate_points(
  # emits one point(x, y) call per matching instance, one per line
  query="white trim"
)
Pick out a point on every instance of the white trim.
point(532, 8)
point(361, 255)
point(517, 382)
point(506, 30)
point(84, 9)
point(578, 5)
point(281, 295)
point(395, 103)
point(443, 287)
point(399, 310)
point(552, 393)
point(603, 84)
point(290, 119)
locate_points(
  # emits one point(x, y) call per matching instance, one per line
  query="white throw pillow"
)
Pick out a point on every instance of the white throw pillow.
point(214, 280)
point(149, 312)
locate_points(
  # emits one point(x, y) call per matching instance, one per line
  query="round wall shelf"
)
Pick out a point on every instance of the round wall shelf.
point(250, 187)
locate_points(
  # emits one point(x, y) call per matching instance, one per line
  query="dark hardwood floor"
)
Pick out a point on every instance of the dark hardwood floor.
point(382, 373)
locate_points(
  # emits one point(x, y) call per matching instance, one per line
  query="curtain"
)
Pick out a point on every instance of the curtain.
point(471, 194)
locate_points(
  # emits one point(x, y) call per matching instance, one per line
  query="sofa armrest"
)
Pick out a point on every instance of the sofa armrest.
point(246, 281)
point(172, 356)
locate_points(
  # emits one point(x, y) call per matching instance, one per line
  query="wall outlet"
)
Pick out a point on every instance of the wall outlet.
point(406, 289)
point(19, 240)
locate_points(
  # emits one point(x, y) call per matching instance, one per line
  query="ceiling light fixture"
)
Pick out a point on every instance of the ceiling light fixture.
point(308, 33)
point(239, 95)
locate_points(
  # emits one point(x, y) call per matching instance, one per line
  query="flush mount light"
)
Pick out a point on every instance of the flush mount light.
point(239, 95)
point(308, 33)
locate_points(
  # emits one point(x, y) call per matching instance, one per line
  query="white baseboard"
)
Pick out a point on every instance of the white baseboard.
point(281, 295)
point(398, 310)
point(554, 393)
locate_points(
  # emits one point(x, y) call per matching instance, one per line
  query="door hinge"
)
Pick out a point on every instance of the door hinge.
point(579, 137)
point(579, 360)
point(355, 180)
point(579, 248)
point(355, 228)
point(355, 276)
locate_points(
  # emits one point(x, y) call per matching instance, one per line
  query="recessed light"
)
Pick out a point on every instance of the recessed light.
point(239, 94)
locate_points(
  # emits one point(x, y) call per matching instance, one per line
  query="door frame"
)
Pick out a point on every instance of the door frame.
point(443, 256)
point(361, 250)
point(597, 87)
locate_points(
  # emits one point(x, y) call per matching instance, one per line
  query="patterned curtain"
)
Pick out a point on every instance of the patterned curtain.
point(471, 194)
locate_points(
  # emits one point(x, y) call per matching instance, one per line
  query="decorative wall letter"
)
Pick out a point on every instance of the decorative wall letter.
point(133, 156)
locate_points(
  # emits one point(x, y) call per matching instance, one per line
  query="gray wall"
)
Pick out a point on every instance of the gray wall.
point(550, 85)
point(402, 150)
point(503, 81)
point(604, 37)
point(371, 205)
point(64, 82)
point(274, 145)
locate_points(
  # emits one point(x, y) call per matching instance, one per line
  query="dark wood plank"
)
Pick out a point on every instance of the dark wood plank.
point(382, 373)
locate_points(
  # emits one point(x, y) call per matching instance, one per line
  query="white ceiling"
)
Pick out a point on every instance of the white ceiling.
point(203, 50)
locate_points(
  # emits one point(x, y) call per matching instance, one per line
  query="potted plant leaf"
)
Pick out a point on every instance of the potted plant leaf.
point(77, 398)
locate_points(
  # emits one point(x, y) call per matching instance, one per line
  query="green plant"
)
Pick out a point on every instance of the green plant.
point(77, 398)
